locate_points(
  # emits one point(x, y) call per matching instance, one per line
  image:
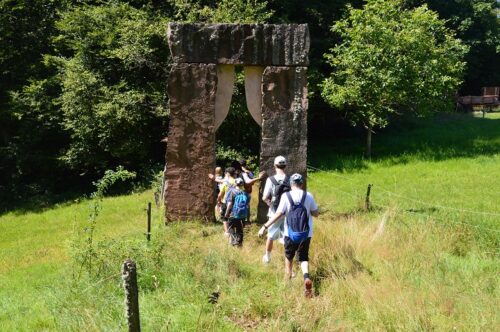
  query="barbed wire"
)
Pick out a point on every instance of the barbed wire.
point(414, 199)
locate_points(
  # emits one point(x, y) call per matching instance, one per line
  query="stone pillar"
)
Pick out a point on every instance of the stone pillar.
point(284, 122)
point(191, 142)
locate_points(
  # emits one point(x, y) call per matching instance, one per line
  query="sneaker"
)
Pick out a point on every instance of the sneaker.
point(293, 274)
point(226, 234)
point(266, 258)
point(308, 285)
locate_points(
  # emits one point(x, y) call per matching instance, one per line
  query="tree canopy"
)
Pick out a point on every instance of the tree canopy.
point(392, 60)
point(83, 83)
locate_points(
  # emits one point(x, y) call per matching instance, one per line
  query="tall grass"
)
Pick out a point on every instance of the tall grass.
point(426, 257)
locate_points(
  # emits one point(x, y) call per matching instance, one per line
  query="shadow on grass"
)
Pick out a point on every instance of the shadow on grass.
point(441, 137)
point(38, 203)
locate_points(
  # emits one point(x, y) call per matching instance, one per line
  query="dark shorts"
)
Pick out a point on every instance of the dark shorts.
point(302, 249)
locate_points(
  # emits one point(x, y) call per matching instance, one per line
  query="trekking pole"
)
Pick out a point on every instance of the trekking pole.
point(148, 234)
point(367, 198)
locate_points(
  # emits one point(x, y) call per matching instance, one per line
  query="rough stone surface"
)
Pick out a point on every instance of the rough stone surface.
point(191, 142)
point(243, 44)
point(284, 122)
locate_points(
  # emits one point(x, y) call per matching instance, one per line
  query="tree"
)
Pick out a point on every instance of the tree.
point(476, 23)
point(113, 86)
point(392, 60)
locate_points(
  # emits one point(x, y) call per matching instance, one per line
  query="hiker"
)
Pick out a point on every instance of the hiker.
point(229, 182)
point(248, 178)
point(275, 186)
point(217, 177)
point(219, 180)
point(298, 207)
point(236, 211)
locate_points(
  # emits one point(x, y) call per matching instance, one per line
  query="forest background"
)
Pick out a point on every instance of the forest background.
point(83, 83)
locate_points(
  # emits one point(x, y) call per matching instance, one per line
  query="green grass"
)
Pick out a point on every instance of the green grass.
point(426, 257)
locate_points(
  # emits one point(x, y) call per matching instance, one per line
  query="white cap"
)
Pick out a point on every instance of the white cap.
point(280, 161)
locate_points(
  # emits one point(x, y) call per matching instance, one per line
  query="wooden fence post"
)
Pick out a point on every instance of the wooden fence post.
point(148, 234)
point(129, 276)
point(367, 199)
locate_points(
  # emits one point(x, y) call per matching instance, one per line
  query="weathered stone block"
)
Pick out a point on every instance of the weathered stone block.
point(242, 44)
point(284, 122)
point(191, 142)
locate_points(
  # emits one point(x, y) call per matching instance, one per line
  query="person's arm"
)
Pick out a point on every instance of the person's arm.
point(252, 181)
point(213, 177)
point(266, 195)
point(280, 211)
point(229, 208)
point(269, 223)
point(313, 207)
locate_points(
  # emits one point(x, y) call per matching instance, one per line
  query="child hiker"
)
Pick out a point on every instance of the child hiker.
point(298, 207)
point(236, 211)
point(229, 182)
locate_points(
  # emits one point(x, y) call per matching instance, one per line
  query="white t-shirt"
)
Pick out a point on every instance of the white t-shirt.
point(268, 191)
point(309, 204)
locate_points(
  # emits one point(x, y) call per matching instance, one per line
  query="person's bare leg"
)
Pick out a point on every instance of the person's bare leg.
point(308, 292)
point(225, 226)
point(269, 247)
point(288, 267)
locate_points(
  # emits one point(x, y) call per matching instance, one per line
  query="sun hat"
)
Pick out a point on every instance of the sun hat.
point(280, 161)
point(296, 179)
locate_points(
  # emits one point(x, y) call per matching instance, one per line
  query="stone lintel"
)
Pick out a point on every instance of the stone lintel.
point(240, 44)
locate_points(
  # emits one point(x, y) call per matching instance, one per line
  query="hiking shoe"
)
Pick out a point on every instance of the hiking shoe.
point(308, 288)
point(266, 258)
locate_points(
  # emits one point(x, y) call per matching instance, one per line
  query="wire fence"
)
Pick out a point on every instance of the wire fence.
point(403, 197)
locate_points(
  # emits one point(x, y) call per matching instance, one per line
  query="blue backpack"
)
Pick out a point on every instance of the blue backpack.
point(297, 220)
point(240, 205)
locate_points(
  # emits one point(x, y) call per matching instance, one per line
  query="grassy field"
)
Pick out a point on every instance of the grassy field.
point(426, 257)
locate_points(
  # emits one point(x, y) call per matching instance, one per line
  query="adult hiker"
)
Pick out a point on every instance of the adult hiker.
point(275, 186)
point(229, 182)
point(236, 211)
point(298, 207)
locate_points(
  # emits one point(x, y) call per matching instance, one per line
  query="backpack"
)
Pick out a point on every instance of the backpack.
point(297, 220)
point(230, 189)
point(279, 188)
point(240, 205)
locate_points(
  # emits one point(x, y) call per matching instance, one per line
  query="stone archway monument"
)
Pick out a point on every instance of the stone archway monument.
point(200, 86)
